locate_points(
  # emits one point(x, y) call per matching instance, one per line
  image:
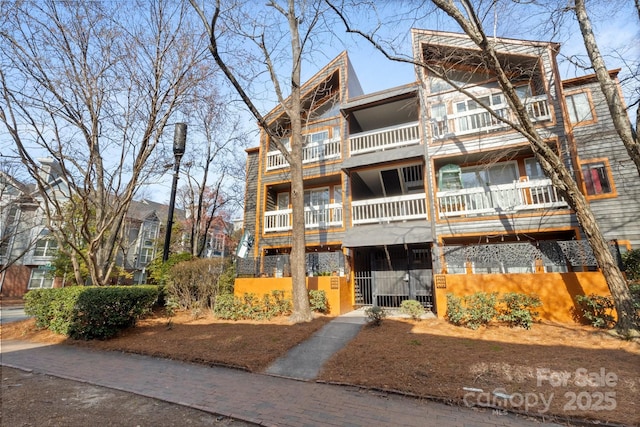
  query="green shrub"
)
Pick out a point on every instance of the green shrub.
point(283, 306)
point(631, 264)
point(64, 309)
point(159, 271)
point(375, 315)
point(597, 310)
point(90, 312)
point(230, 307)
point(227, 279)
point(37, 303)
point(227, 306)
point(412, 308)
point(456, 313)
point(318, 301)
point(635, 295)
point(481, 308)
point(519, 309)
point(103, 311)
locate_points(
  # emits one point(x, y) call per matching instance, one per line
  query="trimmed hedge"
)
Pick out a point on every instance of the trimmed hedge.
point(88, 312)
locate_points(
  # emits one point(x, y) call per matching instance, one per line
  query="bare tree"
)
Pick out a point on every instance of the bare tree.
point(215, 159)
point(92, 86)
point(264, 32)
point(467, 18)
point(621, 121)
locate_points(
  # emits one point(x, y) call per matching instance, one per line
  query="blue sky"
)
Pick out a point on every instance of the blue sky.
point(617, 31)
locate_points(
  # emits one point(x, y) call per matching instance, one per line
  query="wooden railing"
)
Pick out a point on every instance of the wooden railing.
point(316, 152)
point(314, 217)
point(480, 120)
point(527, 195)
point(389, 209)
point(385, 138)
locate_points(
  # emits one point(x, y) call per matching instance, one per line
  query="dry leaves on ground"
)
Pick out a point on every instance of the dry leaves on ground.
point(563, 370)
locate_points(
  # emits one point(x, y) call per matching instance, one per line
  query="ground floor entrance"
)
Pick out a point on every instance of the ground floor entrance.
point(387, 275)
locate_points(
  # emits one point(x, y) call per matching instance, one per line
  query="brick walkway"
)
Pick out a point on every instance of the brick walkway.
point(261, 399)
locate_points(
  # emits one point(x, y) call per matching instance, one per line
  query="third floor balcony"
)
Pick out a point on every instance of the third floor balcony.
point(313, 151)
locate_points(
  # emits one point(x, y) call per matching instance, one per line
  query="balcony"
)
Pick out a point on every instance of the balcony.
point(389, 209)
point(315, 152)
point(385, 138)
point(479, 120)
point(314, 217)
point(494, 199)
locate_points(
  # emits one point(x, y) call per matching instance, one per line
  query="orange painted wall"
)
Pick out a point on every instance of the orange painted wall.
point(556, 290)
point(337, 289)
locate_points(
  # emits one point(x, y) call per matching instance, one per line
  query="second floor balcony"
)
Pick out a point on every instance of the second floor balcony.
point(495, 199)
point(471, 118)
point(322, 216)
point(385, 138)
point(370, 211)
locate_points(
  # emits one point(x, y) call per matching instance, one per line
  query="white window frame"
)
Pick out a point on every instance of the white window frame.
point(484, 168)
point(40, 279)
point(280, 201)
point(532, 165)
point(50, 248)
point(576, 111)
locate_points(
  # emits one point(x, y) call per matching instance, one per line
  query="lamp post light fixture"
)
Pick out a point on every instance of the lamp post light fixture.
point(179, 142)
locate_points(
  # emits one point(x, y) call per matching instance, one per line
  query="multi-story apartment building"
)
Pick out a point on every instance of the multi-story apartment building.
point(416, 191)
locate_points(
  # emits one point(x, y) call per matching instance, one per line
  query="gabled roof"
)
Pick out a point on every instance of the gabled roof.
point(337, 72)
point(148, 209)
point(589, 78)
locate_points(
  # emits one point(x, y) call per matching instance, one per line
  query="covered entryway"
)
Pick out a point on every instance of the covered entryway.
point(387, 275)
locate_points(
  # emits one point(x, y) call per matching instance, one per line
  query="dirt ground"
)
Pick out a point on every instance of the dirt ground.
point(572, 372)
point(31, 399)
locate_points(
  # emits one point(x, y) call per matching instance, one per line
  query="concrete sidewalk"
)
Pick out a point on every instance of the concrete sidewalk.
point(261, 399)
point(304, 361)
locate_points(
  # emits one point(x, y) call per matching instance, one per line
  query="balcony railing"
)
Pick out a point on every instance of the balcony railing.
point(527, 195)
point(385, 138)
point(314, 217)
point(316, 152)
point(480, 120)
point(389, 209)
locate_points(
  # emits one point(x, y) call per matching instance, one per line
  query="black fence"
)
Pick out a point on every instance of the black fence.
point(524, 257)
point(317, 264)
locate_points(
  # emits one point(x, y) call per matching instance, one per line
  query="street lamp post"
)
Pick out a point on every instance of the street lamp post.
point(179, 142)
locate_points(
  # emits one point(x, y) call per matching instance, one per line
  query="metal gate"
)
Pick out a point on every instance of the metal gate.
point(386, 276)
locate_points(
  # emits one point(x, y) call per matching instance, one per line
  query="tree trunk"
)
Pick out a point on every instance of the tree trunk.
point(609, 88)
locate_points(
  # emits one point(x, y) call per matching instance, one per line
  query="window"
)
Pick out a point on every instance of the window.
point(499, 173)
point(439, 119)
point(40, 279)
point(316, 200)
point(337, 194)
point(45, 248)
point(146, 255)
point(283, 201)
point(596, 178)
point(579, 108)
point(318, 197)
point(533, 169)
point(523, 91)
point(316, 137)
